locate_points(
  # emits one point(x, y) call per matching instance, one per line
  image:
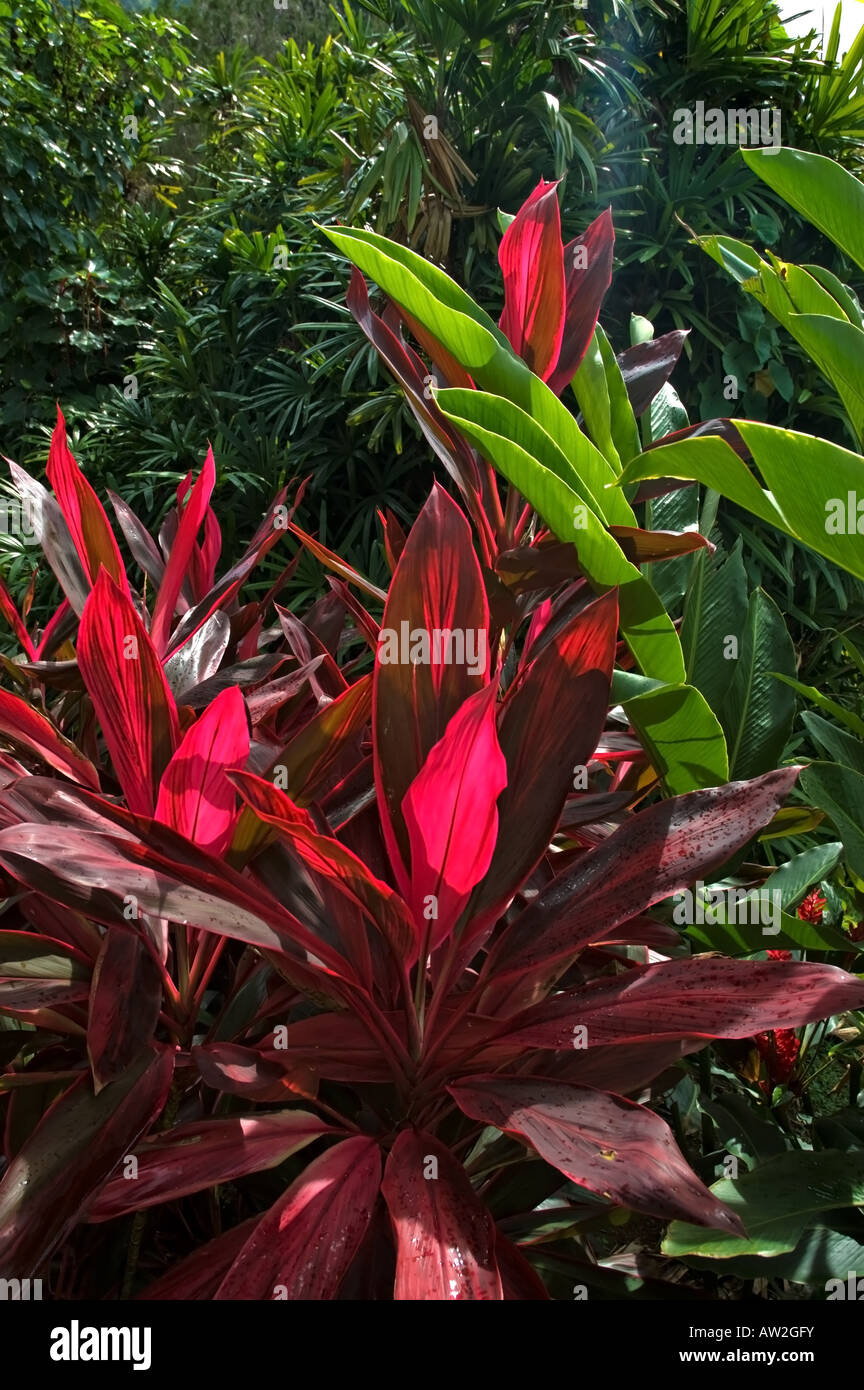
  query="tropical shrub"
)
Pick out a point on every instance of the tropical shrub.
point(404, 909)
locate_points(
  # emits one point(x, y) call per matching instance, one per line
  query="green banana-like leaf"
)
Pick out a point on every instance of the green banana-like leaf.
point(805, 478)
point(715, 611)
point(758, 710)
point(824, 193)
point(645, 624)
point(840, 793)
point(776, 1202)
point(682, 736)
point(678, 730)
point(469, 334)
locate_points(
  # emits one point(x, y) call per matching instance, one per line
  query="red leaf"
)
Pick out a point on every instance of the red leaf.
point(645, 367)
point(690, 998)
point(588, 275)
point(604, 1143)
point(83, 512)
point(445, 1236)
point(190, 1157)
point(78, 1142)
point(26, 726)
point(13, 618)
point(38, 971)
point(97, 874)
point(311, 755)
point(327, 860)
point(437, 585)
point(197, 1278)
point(125, 998)
point(653, 855)
point(195, 796)
point(532, 262)
point(180, 557)
point(550, 723)
point(126, 683)
point(242, 1071)
point(303, 1246)
point(451, 815)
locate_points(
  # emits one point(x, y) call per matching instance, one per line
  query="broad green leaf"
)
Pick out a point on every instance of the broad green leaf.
point(799, 873)
point(810, 692)
point(625, 431)
point(591, 389)
point(753, 929)
point(677, 511)
point(758, 710)
point(646, 626)
point(780, 286)
point(842, 748)
point(837, 348)
point(840, 793)
point(824, 193)
point(682, 737)
point(808, 482)
point(776, 1202)
point(715, 610)
point(469, 334)
point(502, 417)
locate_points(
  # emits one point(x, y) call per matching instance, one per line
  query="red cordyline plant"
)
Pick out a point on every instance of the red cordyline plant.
point(268, 917)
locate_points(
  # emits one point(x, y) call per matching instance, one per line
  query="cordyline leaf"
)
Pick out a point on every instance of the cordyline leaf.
point(690, 998)
point(126, 683)
point(340, 1048)
point(13, 618)
point(519, 1280)
point(451, 815)
point(587, 277)
point(83, 512)
point(197, 1278)
point(78, 1142)
point(437, 585)
point(624, 1068)
point(549, 724)
point(195, 796)
point(181, 554)
point(337, 564)
point(59, 620)
point(643, 547)
point(445, 1236)
point(38, 971)
point(57, 544)
point(190, 1157)
point(309, 758)
point(142, 545)
point(646, 367)
point(655, 854)
point(96, 874)
point(242, 1071)
point(611, 1146)
point(26, 726)
point(411, 375)
point(532, 263)
point(125, 998)
point(327, 860)
point(302, 1247)
point(198, 658)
